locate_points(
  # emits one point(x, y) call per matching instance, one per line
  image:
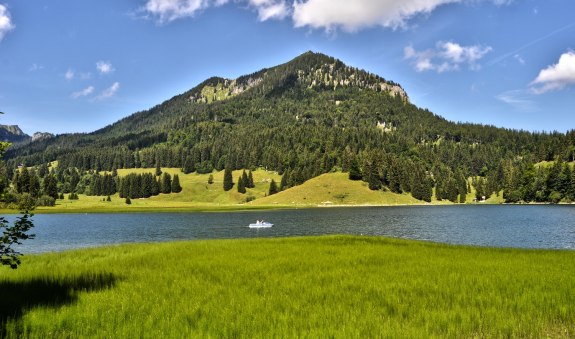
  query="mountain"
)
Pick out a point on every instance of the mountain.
point(12, 133)
point(309, 116)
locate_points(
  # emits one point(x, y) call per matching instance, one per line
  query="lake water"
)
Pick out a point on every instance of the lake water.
point(484, 225)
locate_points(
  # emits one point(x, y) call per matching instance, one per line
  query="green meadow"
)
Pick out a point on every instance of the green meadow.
point(310, 287)
point(330, 189)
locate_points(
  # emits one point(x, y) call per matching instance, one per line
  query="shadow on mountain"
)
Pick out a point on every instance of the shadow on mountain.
point(17, 297)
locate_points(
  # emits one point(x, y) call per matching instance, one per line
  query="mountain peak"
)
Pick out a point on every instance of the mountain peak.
point(310, 70)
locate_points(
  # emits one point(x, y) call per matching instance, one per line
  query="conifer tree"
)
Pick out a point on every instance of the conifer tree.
point(273, 188)
point(284, 181)
point(166, 186)
point(241, 185)
point(251, 180)
point(158, 169)
point(211, 179)
point(354, 171)
point(176, 188)
point(228, 180)
point(245, 180)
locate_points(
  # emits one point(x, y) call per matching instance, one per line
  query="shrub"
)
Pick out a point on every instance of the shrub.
point(46, 200)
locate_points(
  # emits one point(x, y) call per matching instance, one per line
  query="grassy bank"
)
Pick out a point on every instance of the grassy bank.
point(333, 286)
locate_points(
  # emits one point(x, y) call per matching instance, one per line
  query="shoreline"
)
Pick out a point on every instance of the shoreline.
point(238, 208)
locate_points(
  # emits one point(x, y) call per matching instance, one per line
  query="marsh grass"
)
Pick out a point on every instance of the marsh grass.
point(330, 286)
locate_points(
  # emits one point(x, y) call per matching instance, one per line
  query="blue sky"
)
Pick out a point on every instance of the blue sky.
point(76, 66)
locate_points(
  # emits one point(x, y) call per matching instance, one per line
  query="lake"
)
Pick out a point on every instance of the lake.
point(535, 226)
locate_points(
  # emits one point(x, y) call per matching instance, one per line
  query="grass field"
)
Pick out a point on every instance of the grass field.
point(316, 287)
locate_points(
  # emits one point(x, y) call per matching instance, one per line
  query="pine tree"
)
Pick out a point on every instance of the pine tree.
point(176, 188)
point(188, 166)
point(128, 201)
point(284, 181)
point(166, 186)
point(241, 187)
point(245, 180)
point(158, 169)
point(273, 188)
point(211, 179)
point(251, 180)
point(228, 180)
point(354, 171)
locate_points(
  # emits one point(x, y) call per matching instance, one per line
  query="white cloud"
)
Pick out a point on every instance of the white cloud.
point(85, 92)
point(104, 67)
point(6, 24)
point(270, 9)
point(357, 14)
point(69, 75)
point(556, 77)
point(519, 99)
point(35, 67)
point(170, 10)
point(519, 59)
point(352, 15)
point(109, 92)
point(446, 56)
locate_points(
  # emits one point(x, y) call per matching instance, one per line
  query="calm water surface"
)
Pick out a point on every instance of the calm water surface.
point(483, 225)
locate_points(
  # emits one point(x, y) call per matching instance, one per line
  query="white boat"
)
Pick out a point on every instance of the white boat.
point(260, 224)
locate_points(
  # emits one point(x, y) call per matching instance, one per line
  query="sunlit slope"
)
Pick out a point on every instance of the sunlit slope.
point(332, 189)
point(335, 189)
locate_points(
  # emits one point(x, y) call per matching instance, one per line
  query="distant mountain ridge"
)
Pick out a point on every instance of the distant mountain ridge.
point(15, 135)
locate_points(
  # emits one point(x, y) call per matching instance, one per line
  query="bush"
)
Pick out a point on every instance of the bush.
point(26, 202)
point(46, 200)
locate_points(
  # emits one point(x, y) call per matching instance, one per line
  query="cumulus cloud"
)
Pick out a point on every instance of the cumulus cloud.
point(270, 9)
point(327, 14)
point(6, 24)
point(446, 56)
point(556, 77)
point(104, 67)
point(85, 92)
point(109, 92)
point(358, 14)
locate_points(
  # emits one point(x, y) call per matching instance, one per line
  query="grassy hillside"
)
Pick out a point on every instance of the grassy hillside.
point(334, 286)
point(331, 189)
point(335, 189)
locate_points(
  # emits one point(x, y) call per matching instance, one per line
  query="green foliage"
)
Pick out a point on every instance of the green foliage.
point(176, 187)
point(11, 236)
point(331, 286)
point(228, 181)
point(211, 179)
point(241, 186)
point(128, 201)
point(273, 188)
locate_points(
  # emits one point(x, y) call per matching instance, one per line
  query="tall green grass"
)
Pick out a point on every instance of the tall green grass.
point(331, 286)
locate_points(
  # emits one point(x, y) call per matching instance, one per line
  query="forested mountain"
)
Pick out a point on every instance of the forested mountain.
point(313, 115)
